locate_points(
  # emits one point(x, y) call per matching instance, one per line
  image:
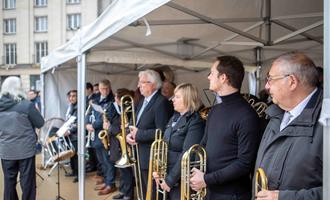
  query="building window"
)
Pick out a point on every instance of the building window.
point(72, 1)
point(41, 50)
point(9, 26)
point(10, 54)
point(41, 24)
point(73, 21)
point(40, 3)
point(9, 4)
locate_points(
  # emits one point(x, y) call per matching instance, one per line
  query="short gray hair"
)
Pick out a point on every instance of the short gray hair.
point(12, 86)
point(300, 65)
point(153, 77)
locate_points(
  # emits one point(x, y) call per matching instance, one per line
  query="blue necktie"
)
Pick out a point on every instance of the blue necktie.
point(145, 103)
point(285, 121)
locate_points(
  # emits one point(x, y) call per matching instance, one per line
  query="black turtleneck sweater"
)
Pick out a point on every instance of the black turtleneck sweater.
point(231, 143)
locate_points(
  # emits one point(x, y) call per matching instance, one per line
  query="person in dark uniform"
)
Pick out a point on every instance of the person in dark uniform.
point(184, 129)
point(153, 112)
point(105, 99)
point(114, 128)
point(72, 133)
point(19, 118)
point(231, 136)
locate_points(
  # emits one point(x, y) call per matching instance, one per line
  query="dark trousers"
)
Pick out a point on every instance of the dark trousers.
point(74, 159)
point(174, 193)
point(144, 179)
point(108, 167)
point(213, 195)
point(126, 181)
point(26, 168)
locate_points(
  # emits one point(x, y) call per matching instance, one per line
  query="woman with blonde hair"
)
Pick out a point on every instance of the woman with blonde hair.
point(184, 129)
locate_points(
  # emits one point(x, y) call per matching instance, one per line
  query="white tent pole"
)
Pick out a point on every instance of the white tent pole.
point(326, 129)
point(81, 61)
point(258, 71)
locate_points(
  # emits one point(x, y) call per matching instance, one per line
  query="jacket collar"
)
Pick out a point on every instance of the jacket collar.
point(308, 117)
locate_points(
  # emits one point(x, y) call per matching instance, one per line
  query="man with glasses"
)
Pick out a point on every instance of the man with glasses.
point(231, 136)
point(153, 112)
point(291, 148)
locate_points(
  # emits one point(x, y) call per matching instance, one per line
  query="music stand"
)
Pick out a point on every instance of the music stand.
point(58, 196)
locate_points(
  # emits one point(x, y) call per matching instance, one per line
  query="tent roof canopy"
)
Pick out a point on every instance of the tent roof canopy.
point(189, 34)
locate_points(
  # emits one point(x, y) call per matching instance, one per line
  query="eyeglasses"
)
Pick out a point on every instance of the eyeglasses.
point(143, 82)
point(276, 77)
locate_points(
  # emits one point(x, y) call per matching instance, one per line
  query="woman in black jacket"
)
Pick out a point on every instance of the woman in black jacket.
point(184, 129)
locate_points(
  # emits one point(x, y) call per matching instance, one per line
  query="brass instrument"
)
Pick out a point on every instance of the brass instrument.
point(88, 143)
point(260, 108)
point(103, 135)
point(257, 105)
point(261, 181)
point(128, 157)
point(158, 164)
point(204, 112)
point(195, 152)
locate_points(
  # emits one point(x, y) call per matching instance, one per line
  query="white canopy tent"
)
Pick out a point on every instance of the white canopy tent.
point(185, 36)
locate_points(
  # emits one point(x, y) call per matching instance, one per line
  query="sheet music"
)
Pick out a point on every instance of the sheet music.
point(66, 126)
point(97, 108)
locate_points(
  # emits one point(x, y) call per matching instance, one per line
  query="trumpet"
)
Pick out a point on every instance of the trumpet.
point(261, 181)
point(103, 135)
point(128, 157)
point(158, 164)
point(198, 152)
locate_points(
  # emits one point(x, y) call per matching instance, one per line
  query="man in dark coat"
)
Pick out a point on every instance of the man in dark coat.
point(231, 136)
point(19, 118)
point(153, 112)
point(291, 149)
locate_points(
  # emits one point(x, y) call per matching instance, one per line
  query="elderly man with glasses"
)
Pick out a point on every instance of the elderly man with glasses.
point(290, 152)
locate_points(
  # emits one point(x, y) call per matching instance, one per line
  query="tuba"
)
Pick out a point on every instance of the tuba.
point(157, 163)
point(195, 157)
point(129, 157)
point(103, 135)
point(261, 181)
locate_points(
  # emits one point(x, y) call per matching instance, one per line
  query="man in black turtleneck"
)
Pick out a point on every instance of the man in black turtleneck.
point(231, 136)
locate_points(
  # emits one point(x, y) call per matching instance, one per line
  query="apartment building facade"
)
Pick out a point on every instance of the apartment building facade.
point(32, 29)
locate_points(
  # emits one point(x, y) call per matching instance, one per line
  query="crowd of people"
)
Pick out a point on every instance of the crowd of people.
point(236, 142)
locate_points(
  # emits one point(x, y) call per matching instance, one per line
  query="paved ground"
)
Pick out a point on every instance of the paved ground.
point(47, 188)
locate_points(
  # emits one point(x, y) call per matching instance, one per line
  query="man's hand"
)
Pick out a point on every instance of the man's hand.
point(267, 195)
point(89, 127)
point(106, 125)
point(165, 187)
point(156, 177)
point(197, 181)
point(67, 133)
point(133, 131)
point(130, 140)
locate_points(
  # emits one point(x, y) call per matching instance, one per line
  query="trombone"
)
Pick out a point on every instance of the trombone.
point(129, 157)
point(198, 153)
point(261, 181)
point(158, 164)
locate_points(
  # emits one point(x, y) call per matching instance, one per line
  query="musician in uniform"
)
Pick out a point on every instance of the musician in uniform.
point(231, 136)
point(104, 100)
point(72, 132)
point(19, 118)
